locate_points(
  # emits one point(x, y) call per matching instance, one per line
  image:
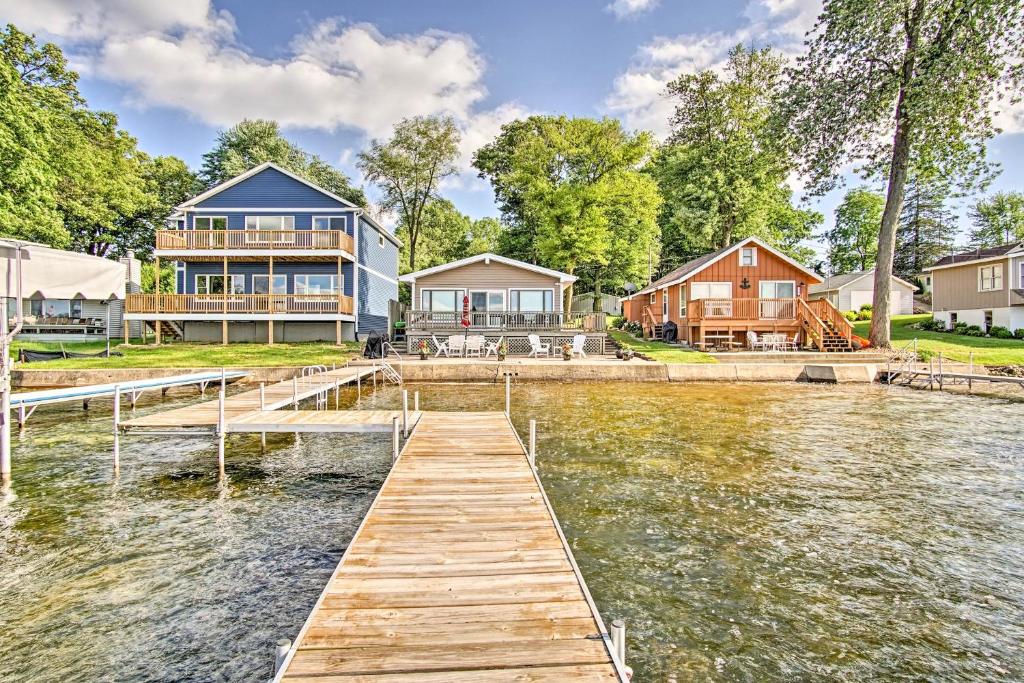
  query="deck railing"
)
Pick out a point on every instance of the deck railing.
point(505, 320)
point(828, 313)
point(201, 240)
point(238, 303)
point(741, 309)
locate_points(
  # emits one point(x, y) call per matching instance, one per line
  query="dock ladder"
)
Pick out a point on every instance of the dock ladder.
point(312, 374)
point(387, 369)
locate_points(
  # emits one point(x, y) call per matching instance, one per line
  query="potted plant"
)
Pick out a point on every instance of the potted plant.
point(423, 349)
point(502, 350)
point(566, 351)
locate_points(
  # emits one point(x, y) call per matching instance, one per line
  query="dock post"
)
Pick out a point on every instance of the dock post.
point(619, 640)
point(405, 413)
point(394, 439)
point(263, 406)
point(931, 372)
point(970, 372)
point(220, 434)
point(280, 652)
point(117, 429)
point(508, 395)
point(295, 393)
point(940, 371)
point(21, 417)
point(223, 380)
point(374, 366)
point(533, 443)
point(416, 402)
point(359, 387)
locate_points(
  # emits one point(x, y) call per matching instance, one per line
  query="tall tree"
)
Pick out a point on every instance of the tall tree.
point(444, 236)
point(853, 241)
point(168, 182)
point(574, 193)
point(997, 219)
point(409, 167)
point(251, 142)
point(927, 228)
point(901, 84)
point(724, 168)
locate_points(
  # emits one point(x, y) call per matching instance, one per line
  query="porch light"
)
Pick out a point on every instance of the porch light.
point(800, 289)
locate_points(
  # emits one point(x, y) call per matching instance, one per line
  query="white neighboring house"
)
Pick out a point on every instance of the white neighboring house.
point(850, 291)
point(983, 287)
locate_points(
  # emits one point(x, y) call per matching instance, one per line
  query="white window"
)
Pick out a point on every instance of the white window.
point(990, 278)
point(317, 284)
point(326, 222)
point(210, 223)
point(748, 256)
point(1021, 279)
point(214, 284)
point(777, 289)
point(682, 301)
point(444, 300)
point(380, 240)
point(261, 284)
point(483, 301)
point(654, 297)
point(270, 222)
point(710, 290)
point(531, 300)
point(664, 304)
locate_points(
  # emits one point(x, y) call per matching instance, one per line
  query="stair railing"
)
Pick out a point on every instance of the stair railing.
point(901, 361)
point(390, 373)
point(813, 325)
point(827, 312)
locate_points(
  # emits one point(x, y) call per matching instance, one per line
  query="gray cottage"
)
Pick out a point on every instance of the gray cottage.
point(269, 256)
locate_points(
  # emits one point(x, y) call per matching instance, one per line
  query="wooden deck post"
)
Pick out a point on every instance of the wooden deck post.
point(224, 322)
point(156, 300)
point(270, 302)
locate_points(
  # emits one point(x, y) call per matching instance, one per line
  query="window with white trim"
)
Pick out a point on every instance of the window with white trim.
point(210, 223)
point(710, 290)
point(261, 284)
point(990, 278)
point(214, 284)
point(748, 256)
point(317, 284)
point(682, 301)
point(1020, 279)
point(442, 300)
point(654, 298)
point(380, 240)
point(270, 222)
point(324, 222)
point(531, 300)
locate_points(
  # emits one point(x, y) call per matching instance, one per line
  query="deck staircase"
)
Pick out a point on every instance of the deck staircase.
point(653, 326)
point(824, 325)
point(166, 328)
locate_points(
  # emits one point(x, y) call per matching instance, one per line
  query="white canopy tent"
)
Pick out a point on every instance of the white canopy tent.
point(55, 274)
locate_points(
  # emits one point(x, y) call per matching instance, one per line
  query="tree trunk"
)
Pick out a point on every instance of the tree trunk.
point(598, 304)
point(412, 253)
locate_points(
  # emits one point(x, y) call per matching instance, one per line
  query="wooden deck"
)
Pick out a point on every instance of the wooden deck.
point(459, 572)
point(275, 396)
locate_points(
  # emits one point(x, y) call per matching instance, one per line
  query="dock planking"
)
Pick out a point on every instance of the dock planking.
point(275, 396)
point(459, 572)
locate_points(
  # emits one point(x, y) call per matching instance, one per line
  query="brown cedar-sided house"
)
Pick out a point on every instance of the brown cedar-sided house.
point(983, 287)
point(748, 286)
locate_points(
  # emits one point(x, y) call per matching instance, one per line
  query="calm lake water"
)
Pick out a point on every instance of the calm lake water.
point(744, 532)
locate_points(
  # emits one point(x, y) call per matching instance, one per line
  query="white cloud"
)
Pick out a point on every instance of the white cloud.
point(95, 19)
point(638, 94)
point(629, 8)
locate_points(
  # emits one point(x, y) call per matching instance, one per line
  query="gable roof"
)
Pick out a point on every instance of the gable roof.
point(217, 189)
point(834, 282)
point(691, 268)
point(980, 254)
point(488, 257)
point(361, 214)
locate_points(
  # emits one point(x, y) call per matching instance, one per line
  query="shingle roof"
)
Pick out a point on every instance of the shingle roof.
point(978, 254)
point(838, 281)
point(686, 268)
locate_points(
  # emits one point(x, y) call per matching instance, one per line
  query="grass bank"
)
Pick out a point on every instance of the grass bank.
point(987, 350)
point(660, 351)
point(188, 355)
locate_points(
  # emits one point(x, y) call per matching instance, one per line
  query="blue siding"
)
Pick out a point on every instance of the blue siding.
point(291, 269)
point(372, 302)
point(271, 188)
point(303, 220)
point(382, 259)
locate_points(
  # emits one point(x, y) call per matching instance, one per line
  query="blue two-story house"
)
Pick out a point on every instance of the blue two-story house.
point(269, 256)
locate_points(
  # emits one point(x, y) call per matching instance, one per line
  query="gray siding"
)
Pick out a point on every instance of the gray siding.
point(493, 276)
point(256, 331)
point(372, 302)
point(383, 259)
point(270, 188)
point(956, 288)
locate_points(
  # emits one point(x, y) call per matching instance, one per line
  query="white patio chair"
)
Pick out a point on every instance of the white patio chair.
point(793, 344)
point(457, 344)
point(754, 343)
point(474, 345)
point(442, 347)
point(578, 341)
point(536, 348)
point(492, 347)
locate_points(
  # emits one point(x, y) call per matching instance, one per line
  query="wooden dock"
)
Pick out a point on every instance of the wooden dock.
point(459, 572)
point(335, 421)
point(275, 396)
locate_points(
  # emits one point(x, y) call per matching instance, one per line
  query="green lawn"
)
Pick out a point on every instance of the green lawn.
point(666, 353)
point(187, 355)
point(987, 350)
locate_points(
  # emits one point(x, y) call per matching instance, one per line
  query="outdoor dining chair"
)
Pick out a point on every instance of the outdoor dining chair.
point(492, 347)
point(474, 345)
point(442, 347)
point(578, 342)
point(457, 344)
point(536, 348)
point(754, 343)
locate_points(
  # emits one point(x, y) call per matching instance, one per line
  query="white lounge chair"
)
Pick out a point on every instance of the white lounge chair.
point(442, 347)
point(492, 347)
point(536, 348)
point(457, 344)
point(578, 342)
point(474, 345)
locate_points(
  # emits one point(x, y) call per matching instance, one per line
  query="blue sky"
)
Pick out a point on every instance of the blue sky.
point(338, 73)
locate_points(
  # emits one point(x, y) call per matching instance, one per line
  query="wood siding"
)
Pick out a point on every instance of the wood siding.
point(956, 288)
point(493, 276)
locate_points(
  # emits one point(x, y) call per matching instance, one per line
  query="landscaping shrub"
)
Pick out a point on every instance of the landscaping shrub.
point(850, 315)
point(1000, 332)
point(960, 328)
point(634, 328)
point(865, 307)
point(864, 314)
point(933, 325)
point(618, 321)
point(925, 355)
point(1019, 333)
point(974, 331)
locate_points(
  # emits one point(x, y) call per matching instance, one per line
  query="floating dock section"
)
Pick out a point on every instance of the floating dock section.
point(459, 572)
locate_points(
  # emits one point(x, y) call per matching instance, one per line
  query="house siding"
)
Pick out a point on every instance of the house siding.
point(956, 288)
point(270, 188)
point(303, 219)
point(372, 303)
point(384, 259)
point(493, 276)
point(289, 268)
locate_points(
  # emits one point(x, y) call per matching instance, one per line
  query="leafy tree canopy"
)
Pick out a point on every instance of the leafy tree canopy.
point(927, 227)
point(853, 241)
point(252, 142)
point(997, 219)
point(724, 168)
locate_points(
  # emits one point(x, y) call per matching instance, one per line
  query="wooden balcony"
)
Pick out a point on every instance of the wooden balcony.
point(506, 321)
point(254, 240)
point(215, 304)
